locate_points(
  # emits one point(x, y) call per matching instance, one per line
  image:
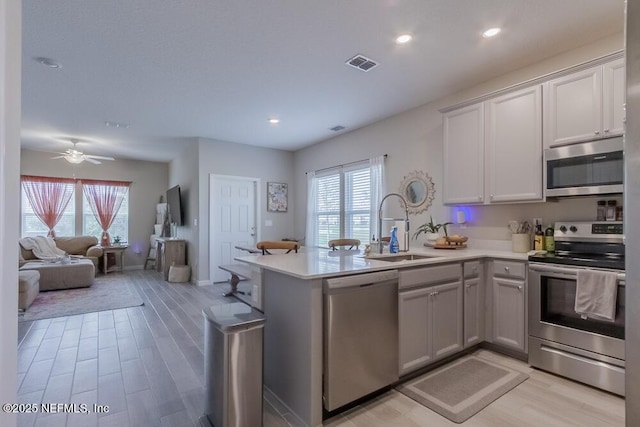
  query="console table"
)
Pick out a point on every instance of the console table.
point(118, 251)
point(170, 252)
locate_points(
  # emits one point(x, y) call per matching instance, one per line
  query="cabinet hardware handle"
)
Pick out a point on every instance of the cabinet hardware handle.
point(491, 196)
point(506, 269)
point(597, 132)
point(520, 287)
point(606, 131)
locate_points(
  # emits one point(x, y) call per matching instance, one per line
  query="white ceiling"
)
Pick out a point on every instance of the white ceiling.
point(220, 68)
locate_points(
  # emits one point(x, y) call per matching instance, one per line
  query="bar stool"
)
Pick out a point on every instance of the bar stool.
point(344, 243)
point(265, 245)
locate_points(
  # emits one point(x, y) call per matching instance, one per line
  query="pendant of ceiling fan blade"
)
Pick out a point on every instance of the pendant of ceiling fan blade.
point(98, 157)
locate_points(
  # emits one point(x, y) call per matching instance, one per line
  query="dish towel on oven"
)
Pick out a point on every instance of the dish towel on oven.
point(596, 293)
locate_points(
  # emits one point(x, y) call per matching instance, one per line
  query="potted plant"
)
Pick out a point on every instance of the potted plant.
point(432, 230)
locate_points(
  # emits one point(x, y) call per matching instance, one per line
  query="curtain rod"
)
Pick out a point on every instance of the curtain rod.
point(344, 164)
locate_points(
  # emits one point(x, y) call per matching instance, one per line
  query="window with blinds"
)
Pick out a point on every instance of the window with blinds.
point(32, 226)
point(343, 197)
point(119, 226)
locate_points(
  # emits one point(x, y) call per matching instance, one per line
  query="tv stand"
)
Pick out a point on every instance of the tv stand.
point(170, 252)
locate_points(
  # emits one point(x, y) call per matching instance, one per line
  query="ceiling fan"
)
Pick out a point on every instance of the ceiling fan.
point(72, 155)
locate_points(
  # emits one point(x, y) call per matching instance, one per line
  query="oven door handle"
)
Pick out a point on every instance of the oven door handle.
point(567, 272)
point(550, 269)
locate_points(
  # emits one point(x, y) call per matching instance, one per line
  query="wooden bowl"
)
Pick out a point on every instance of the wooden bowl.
point(457, 239)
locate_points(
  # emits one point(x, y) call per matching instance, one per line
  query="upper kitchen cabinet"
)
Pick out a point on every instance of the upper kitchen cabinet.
point(585, 105)
point(513, 146)
point(464, 155)
point(613, 97)
point(493, 150)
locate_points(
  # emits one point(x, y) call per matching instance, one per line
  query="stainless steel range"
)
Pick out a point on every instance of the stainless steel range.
point(585, 348)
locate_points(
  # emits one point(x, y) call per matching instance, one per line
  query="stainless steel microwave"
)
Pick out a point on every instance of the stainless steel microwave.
point(587, 168)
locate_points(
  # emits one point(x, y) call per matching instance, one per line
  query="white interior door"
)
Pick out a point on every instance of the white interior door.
point(232, 222)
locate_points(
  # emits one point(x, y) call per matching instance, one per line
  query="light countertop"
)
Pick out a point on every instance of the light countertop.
point(313, 263)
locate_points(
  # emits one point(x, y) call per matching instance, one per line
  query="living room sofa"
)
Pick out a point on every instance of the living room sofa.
point(79, 246)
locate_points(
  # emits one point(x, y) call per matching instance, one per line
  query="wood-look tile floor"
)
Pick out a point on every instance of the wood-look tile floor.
point(147, 364)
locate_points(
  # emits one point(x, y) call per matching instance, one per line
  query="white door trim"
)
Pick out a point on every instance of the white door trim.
point(258, 203)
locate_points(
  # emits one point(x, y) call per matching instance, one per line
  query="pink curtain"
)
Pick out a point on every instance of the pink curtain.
point(105, 199)
point(48, 197)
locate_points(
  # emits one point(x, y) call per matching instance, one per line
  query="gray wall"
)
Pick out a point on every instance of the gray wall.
point(413, 141)
point(224, 158)
point(149, 181)
point(183, 171)
point(10, 61)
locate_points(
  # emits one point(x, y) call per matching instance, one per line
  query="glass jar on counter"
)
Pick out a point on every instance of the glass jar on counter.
point(611, 210)
point(601, 212)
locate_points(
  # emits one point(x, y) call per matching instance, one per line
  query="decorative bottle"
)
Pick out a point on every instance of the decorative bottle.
point(538, 238)
point(549, 240)
point(394, 246)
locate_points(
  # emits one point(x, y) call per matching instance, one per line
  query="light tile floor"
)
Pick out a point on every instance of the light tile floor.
point(147, 364)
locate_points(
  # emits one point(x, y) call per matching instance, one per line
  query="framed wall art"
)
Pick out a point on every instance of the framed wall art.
point(276, 197)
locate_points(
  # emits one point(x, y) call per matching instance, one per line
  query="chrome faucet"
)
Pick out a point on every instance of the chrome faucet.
point(406, 221)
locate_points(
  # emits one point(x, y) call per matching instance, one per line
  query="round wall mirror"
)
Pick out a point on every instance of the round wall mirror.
point(417, 188)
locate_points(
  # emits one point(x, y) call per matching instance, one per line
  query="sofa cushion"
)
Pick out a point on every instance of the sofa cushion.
point(79, 274)
point(76, 245)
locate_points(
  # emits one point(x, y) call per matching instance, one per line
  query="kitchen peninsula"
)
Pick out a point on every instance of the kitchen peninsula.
point(292, 291)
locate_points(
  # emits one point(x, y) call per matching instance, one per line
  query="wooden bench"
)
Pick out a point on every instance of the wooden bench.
point(238, 273)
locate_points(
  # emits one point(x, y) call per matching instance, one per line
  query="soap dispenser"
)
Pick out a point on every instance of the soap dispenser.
point(394, 246)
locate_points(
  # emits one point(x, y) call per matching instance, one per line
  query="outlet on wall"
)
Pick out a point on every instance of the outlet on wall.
point(537, 221)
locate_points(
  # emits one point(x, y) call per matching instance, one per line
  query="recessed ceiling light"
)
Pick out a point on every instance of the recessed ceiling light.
point(117, 125)
point(48, 62)
point(274, 121)
point(404, 38)
point(491, 32)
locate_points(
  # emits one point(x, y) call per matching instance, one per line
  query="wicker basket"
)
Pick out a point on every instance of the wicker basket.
point(179, 273)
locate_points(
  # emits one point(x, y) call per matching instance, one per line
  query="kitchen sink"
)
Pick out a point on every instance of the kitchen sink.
point(401, 257)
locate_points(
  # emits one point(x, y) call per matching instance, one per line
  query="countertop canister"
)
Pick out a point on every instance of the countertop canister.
point(521, 242)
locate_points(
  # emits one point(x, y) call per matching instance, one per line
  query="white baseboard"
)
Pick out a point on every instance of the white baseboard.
point(203, 282)
point(134, 267)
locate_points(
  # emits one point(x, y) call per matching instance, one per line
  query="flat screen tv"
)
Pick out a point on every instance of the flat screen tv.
point(174, 205)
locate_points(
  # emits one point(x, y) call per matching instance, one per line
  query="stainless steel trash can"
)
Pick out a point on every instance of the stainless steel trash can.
point(233, 337)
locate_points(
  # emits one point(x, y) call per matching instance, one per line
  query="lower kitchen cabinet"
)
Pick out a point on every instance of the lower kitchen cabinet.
point(509, 304)
point(474, 311)
point(431, 322)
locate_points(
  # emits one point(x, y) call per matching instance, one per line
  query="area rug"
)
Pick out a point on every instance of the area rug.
point(463, 387)
point(107, 293)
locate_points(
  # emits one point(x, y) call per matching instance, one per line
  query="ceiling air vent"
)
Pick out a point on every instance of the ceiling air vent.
point(362, 63)
point(337, 128)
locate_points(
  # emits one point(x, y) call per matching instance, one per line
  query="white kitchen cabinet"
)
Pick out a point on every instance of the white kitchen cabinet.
point(430, 316)
point(585, 105)
point(613, 97)
point(509, 304)
point(474, 312)
point(513, 146)
point(464, 155)
point(493, 150)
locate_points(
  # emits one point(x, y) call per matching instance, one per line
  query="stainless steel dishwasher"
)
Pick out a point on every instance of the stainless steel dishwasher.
point(360, 336)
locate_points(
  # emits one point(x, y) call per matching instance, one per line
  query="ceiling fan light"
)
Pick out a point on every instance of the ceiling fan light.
point(74, 159)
